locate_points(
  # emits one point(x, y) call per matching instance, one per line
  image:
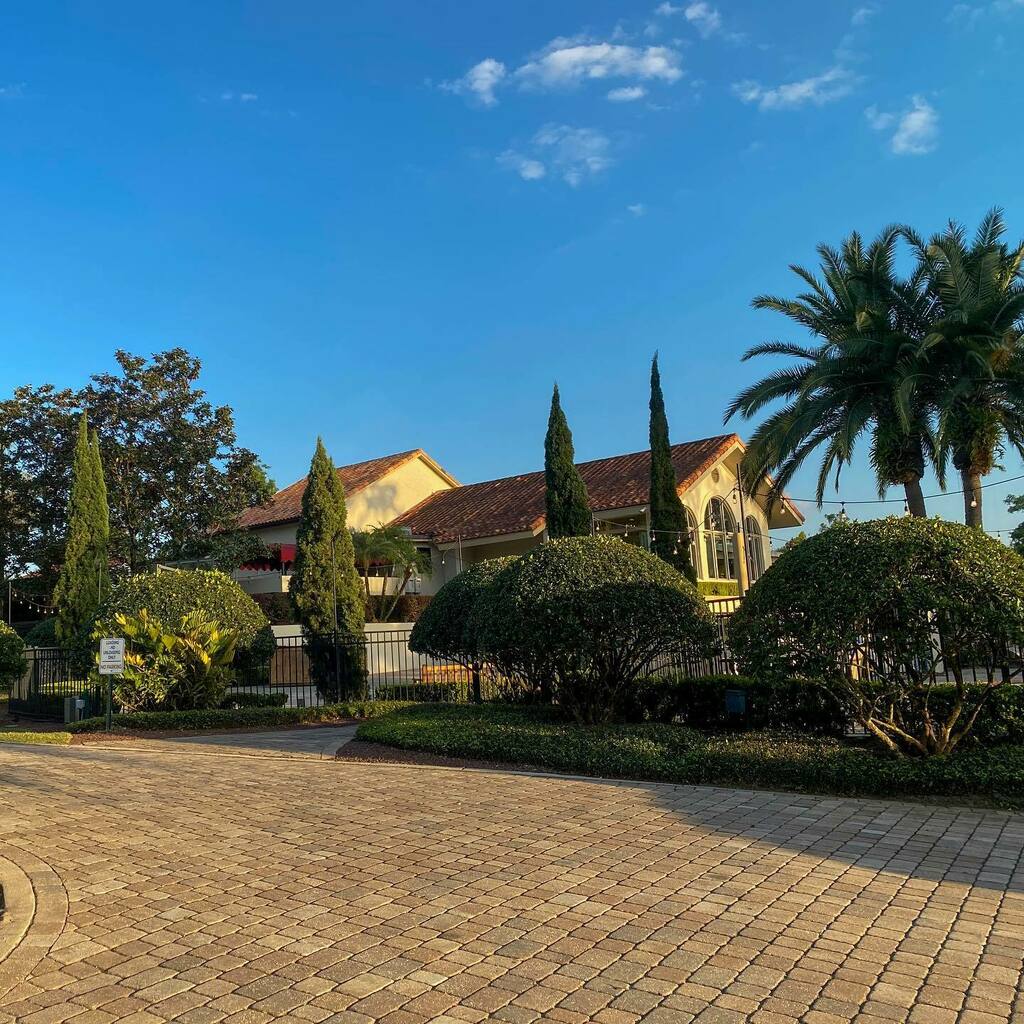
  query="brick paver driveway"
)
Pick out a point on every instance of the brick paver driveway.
point(210, 888)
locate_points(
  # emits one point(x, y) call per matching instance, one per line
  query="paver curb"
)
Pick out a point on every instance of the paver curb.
point(37, 911)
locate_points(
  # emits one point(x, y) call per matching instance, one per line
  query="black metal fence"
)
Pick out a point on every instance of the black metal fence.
point(54, 676)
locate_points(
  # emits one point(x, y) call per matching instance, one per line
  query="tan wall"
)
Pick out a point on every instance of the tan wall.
point(381, 502)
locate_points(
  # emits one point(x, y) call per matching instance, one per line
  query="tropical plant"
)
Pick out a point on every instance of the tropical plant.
point(972, 354)
point(325, 586)
point(670, 536)
point(389, 551)
point(85, 574)
point(586, 616)
point(565, 495)
point(177, 668)
point(886, 613)
point(860, 378)
point(12, 656)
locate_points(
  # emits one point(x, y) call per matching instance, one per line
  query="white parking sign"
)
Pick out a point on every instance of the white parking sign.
point(112, 656)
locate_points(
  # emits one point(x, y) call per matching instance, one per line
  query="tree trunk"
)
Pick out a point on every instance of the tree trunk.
point(972, 497)
point(915, 497)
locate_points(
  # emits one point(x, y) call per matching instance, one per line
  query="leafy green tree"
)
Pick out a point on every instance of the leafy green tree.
point(566, 501)
point(174, 468)
point(85, 574)
point(390, 552)
point(973, 351)
point(670, 536)
point(174, 471)
point(860, 378)
point(1015, 503)
point(38, 433)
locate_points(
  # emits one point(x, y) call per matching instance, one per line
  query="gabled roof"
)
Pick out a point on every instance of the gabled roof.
point(515, 504)
point(286, 505)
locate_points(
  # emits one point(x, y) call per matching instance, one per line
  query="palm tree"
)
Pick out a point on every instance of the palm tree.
point(973, 351)
point(390, 552)
point(860, 377)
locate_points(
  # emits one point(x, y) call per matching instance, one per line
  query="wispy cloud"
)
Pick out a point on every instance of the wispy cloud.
point(568, 63)
point(230, 96)
point(572, 154)
point(915, 131)
point(637, 209)
point(818, 90)
point(627, 94)
point(479, 82)
point(13, 91)
point(862, 15)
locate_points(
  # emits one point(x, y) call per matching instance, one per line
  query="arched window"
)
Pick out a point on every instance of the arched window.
point(720, 540)
point(691, 525)
point(755, 548)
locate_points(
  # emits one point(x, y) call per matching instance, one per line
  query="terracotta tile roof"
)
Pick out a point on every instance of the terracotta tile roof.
point(515, 504)
point(286, 505)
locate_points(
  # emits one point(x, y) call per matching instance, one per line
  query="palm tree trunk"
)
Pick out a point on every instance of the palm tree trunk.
point(972, 497)
point(915, 497)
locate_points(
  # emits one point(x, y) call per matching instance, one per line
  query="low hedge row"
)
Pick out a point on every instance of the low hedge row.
point(670, 753)
point(224, 718)
point(800, 705)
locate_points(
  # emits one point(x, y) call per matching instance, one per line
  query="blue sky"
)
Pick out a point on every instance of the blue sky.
point(395, 225)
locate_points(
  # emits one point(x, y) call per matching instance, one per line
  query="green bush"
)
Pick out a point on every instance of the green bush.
point(12, 656)
point(537, 737)
point(871, 600)
point(234, 701)
point(43, 633)
point(170, 594)
point(584, 617)
point(277, 608)
point(445, 629)
point(241, 718)
point(793, 705)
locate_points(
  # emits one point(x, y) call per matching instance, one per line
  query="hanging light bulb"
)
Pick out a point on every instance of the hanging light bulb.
point(906, 508)
point(974, 502)
point(842, 510)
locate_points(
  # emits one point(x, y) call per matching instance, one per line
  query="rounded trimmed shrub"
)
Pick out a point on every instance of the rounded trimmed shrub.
point(880, 611)
point(585, 617)
point(12, 656)
point(444, 629)
point(170, 594)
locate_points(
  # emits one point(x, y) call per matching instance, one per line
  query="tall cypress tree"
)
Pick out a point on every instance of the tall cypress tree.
point(568, 507)
point(324, 555)
point(670, 537)
point(85, 574)
point(325, 568)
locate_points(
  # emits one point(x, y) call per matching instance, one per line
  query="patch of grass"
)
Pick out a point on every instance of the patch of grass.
point(672, 753)
point(236, 718)
point(25, 736)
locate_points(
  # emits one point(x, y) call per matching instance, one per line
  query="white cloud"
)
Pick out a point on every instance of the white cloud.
point(862, 15)
point(916, 129)
point(526, 167)
point(704, 18)
point(627, 94)
point(13, 91)
point(229, 96)
point(568, 62)
point(637, 209)
point(479, 82)
point(831, 85)
point(573, 154)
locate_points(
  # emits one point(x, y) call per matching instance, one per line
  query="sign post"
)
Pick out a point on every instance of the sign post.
point(111, 664)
